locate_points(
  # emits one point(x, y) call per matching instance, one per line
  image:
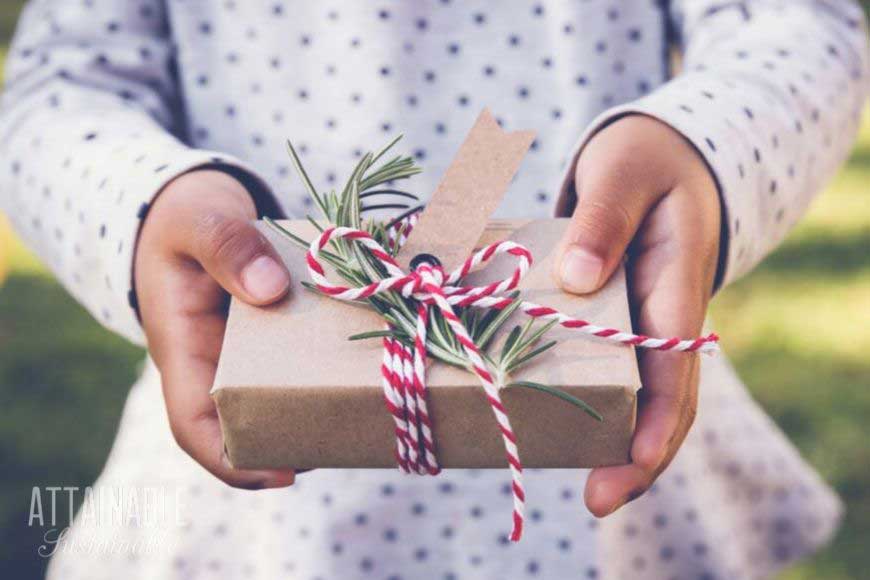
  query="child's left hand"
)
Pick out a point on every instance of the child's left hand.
point(644, 191)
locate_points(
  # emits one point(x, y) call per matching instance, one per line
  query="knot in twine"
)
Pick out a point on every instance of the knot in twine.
point(404, 369)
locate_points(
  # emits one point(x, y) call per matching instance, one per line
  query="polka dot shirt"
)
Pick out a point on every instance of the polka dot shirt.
point(108, 100)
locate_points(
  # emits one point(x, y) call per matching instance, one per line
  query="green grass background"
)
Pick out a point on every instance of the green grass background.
point(63, 379)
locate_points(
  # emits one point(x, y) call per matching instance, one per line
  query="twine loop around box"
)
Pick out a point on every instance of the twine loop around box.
point(403, 368)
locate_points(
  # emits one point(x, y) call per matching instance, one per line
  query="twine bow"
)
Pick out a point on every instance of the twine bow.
point(404, 369)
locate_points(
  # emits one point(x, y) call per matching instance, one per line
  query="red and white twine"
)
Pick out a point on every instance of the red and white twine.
point(404, 369)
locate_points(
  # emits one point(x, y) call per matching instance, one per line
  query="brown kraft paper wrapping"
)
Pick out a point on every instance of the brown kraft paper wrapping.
point(293, 392)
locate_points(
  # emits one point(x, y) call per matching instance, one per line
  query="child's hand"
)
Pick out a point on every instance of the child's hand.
point(643, 190)
point(197, 245)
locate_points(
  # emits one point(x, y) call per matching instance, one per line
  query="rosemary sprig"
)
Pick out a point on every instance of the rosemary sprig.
point(561, 394)
point(355, 264)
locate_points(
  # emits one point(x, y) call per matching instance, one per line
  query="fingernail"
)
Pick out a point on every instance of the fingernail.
point(264, 279)
point(279, 480)
point(580, 270)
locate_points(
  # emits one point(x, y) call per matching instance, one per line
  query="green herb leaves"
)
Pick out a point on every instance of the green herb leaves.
point(372, 186)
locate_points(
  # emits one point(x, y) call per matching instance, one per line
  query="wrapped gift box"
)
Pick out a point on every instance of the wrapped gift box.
point(293, 392)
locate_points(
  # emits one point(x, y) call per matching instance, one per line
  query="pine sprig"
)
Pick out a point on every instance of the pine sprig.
point(358, 267)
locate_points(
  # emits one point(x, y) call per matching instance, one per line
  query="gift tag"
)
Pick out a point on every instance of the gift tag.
point(468, 194)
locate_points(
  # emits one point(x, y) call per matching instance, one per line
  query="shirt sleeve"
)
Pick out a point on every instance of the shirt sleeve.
point(771, 95)
point(90, 129)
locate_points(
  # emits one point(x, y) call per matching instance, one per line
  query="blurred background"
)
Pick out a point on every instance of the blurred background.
point(59, 368)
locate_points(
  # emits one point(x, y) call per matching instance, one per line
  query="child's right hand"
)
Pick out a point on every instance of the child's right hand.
point(197, 246)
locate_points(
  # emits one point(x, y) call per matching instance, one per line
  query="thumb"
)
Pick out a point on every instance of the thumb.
point(234, 252)
point(608, 213)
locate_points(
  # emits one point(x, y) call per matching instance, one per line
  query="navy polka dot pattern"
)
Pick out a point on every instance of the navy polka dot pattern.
point(738, 502)
point(122, 93)
point(108, 100)
point(88, 119)
point(773, 109)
